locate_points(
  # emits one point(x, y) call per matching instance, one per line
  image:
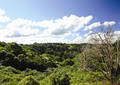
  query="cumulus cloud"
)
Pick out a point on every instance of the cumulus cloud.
point(60, 30)
point(3, 18)
point(117, 32)
point(94, 25)
point(109, 23)
point(62, 27)
point(2, 12)
point(65, 25)
point(117, 35)
point(98, 24)
point(33, 39)
point(90, 35)
point(18, 28)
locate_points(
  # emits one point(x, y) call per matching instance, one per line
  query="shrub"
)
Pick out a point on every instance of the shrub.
point(29, 80)
point(67, 62)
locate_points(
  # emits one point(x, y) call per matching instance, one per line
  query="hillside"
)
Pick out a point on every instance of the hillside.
point(45, 64)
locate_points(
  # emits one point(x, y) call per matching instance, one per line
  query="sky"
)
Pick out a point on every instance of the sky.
point(56, 21)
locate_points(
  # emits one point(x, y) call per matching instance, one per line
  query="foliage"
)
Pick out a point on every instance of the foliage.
point(29, 80)
point(67, 62)
point(49, 64)
point(56, 79)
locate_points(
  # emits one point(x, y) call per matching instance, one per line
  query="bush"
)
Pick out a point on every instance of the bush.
point(67, 62)
point(56, 79)
point(29, 80)
point(61, 80)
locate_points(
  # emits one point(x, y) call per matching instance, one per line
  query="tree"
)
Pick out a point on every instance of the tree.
point(67, 62)
point(15, 48)
point(29, 80)
point(61, 79)
point(104, 56)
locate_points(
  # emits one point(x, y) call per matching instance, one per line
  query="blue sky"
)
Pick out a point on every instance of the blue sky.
point(48, 19)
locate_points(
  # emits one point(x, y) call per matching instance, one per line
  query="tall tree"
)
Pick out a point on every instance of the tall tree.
point(104, 56)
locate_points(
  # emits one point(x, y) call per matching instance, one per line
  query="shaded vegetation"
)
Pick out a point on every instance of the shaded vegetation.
point(47, 64)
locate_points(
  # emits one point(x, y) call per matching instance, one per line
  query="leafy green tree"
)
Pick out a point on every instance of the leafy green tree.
point(29, 80)
point(67, 62)
point(61, 79)
point(3, 54)
point(3, 44)
point(14, 48)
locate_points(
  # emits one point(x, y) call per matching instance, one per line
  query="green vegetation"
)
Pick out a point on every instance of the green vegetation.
point(29, 80)
point(44, 64)
point(60, 64)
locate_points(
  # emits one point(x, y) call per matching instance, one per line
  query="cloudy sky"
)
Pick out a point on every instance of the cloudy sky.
point(56, 21)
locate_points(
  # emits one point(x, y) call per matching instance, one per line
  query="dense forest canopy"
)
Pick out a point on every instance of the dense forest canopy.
point(48, 64)
point(43, 59)
point(37, 56)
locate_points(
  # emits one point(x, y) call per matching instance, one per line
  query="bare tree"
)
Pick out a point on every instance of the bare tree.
point(105, 54)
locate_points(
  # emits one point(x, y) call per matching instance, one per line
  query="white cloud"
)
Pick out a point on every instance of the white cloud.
point(89, 37)
point(18, 28)
point(33, 39)
point(2, 12)
point(3, 18)
point(21, 22)
point(94, 25)
point(67, 24)
point(56, 31)
point(117, 35)
point(59, 27)
point(117, 32)
point(98, 24)
point(109, 23)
